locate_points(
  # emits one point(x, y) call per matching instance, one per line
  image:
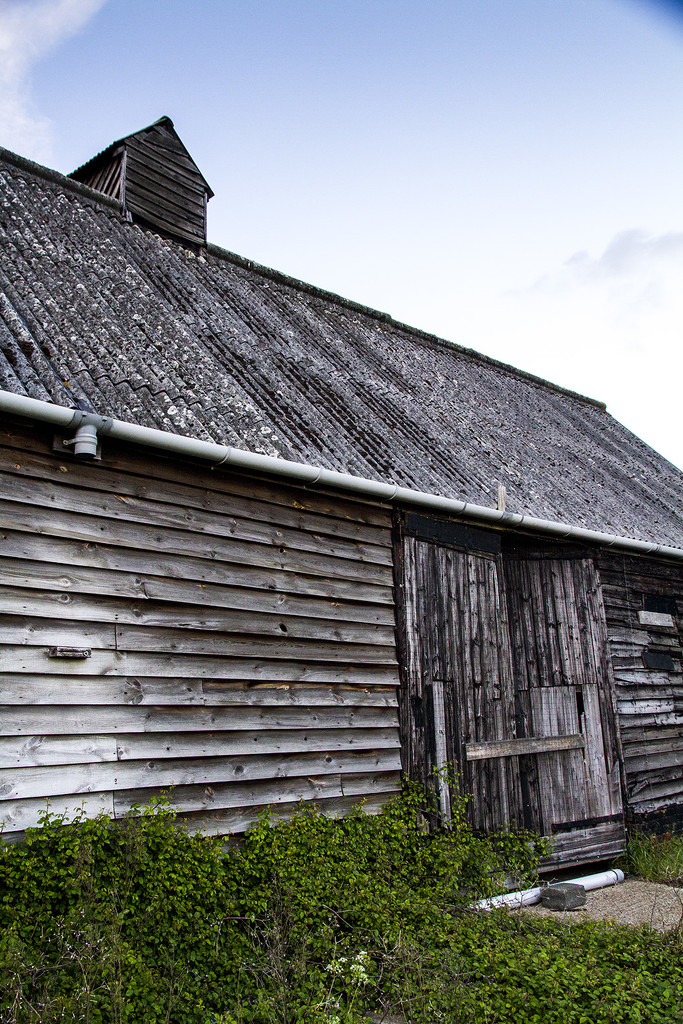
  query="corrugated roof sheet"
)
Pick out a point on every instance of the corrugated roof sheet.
point(211, 345)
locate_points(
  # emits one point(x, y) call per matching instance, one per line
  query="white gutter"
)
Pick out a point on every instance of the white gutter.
point(527, 897)
point(313, 476)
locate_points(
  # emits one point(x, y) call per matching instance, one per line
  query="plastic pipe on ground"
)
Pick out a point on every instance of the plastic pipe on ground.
point(527, 897)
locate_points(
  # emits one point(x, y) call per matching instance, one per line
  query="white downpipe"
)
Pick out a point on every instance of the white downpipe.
point(527, 897)
point(314, 476)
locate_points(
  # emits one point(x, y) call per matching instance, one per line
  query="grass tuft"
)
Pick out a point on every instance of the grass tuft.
point(656, 858)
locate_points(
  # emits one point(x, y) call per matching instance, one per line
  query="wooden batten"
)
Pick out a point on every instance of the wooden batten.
point(207, 635)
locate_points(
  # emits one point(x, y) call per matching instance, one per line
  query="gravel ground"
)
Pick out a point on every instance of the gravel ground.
point(630, 902)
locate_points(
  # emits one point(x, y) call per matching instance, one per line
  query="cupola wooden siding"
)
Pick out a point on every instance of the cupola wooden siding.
point(156, 179)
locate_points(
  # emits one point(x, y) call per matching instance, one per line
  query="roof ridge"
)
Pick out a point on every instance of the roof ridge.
point(55, 177)
point(376, 314)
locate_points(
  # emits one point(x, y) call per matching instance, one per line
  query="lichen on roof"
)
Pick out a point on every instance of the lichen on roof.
point(212, 345)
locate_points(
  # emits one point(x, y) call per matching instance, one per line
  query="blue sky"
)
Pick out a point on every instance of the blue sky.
point(505, 173)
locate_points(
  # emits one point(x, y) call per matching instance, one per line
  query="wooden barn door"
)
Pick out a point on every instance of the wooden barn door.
point(506, 678)
point(459, 680)
point(563, 690)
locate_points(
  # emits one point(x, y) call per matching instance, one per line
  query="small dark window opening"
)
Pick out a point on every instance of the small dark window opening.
point(580, 708)
point(656, 603)
point(660, 660)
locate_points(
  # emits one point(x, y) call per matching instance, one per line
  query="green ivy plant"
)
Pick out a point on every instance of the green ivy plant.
point(314, 920)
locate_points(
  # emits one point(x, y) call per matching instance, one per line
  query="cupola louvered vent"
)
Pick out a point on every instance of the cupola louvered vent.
point(156, 179)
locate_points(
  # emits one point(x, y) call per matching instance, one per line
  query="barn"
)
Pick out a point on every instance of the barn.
point(261, 544)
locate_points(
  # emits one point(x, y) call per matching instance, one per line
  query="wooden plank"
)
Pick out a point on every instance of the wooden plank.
point(578, 839)
point(21, 441)
point(185, 201)
point(562, 775)
point(582, 846)
point(36, 751)
point(27, 751)
point(229, 481)
point(648, 741)
point(240, 796)
point(25, 659)
point(235, 822)
point(647, 699)
point(14, 629)
point(603, 791)
point(65, 581)
point(178, 641)
point(66, 552)
point(158, 514)
point(142, 155)
point(43, 720)
point(145, 199)
point(191, 494)
point(72, 779)
point(245, 620)
point(48, 689)
point(18, 815)
point(653, 760)
point(139, 746)
point(530, 745)
point(157, 541)
point(639, 724)
point(441, 752)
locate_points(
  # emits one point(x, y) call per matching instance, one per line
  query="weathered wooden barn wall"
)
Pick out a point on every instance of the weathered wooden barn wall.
point(240, 638)
point(644, 605)
point(508, 678)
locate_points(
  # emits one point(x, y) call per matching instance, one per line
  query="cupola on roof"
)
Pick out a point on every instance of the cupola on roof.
point(156, 180)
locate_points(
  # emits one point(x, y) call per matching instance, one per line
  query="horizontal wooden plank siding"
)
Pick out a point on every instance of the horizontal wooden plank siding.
point(644, 608)
point(163, 186)
point(165, 627)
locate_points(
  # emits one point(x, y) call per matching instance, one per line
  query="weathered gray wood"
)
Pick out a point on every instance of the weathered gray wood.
point(649, 701)
point(509, 748)
point(237, 821)
point(582, 846)
point(20, 659)
point(557, 604)
point(64, 581)
point(58, 605)
point(244, 741)
point(121, 690)
point(49, 494)
point(197, 495)
point(16, 629)
point(86, 778)
point(18, 815)
point(120, 533)
point(440, 748)
point(221, 796)
point(232, 642)
point(34, 751)
point(663, 619)
point(65, 552)
point(55, 720)
point(133, 638)
point(25, 751)
point(454, 624)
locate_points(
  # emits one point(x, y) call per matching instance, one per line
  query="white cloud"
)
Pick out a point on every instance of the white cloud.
point(29, 30)
point(609, 326)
